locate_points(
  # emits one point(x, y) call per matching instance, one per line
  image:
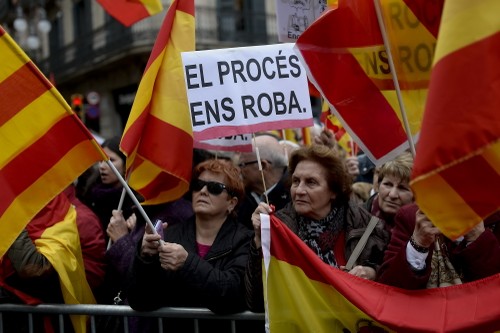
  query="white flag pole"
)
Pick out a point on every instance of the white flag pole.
point(132, 196)
point(381, 24)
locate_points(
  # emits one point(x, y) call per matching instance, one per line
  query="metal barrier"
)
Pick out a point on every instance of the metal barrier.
point(123, 311)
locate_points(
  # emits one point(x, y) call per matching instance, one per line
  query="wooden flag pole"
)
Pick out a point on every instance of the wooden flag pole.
point(381, 24)
point(132, 196)
point(260, 168)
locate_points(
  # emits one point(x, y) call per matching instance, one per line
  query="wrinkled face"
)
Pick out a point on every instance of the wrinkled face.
point(311, 195)
point(211, 204)
point(108, 177)
point(250, 171)
point(393, 193)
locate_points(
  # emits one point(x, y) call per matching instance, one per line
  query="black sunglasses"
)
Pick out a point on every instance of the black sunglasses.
point(214, 188)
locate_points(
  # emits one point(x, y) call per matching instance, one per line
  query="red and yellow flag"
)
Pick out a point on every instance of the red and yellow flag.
point(128, 12)
point(456, 176)
point(45, 146)
point(345, 58)
point(303, 294)
point(341, 136)
point(158, 137)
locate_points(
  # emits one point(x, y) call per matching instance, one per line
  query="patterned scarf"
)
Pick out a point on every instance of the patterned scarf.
point(321, 235)
point(443, 273)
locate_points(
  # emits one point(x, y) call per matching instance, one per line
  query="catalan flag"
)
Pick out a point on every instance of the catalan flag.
point(456, 176)
point(345, 58)
point(158, 137)
point(303, 294)
point(128, 12)
point(55, 235)
point(45, 146)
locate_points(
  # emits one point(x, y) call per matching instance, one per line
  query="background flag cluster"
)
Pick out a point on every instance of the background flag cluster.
point(45, 146)
point(128, 12)
point(456, 176)
point(158, 137)
point(303, 294)
point(345, 57)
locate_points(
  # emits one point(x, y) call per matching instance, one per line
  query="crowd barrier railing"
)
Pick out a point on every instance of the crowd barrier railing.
point(121, 311)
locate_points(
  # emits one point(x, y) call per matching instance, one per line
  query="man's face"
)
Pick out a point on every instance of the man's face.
point(250, 171)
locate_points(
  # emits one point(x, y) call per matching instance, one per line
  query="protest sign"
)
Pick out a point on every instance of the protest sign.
point(293, 17)
point(244, 90)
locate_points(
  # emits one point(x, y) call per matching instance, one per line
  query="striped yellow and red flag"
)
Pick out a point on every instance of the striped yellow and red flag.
point(303, 294)
point(343, 138)
point(158, 137)
point(128, 12)
point(345, 58)
point(45, 146)
point(55, 235)
point(456, 176)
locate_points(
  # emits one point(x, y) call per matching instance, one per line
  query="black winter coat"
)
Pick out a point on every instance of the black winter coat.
point(214, 282)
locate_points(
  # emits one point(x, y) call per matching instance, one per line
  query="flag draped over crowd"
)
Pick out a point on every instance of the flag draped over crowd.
point(456, 176)
point(303, 294)
point(158, 138)
point(128, 12)
point(45, 146)
point(349, 66)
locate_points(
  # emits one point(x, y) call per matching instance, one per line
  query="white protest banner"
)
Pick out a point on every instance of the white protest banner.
point(240, 143)
point(293, 17)
point(244, 90)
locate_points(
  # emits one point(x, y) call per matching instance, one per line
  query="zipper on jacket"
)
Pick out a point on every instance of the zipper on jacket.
point(219, 255)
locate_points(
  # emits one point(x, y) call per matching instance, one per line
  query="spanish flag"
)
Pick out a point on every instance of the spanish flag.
point(55, 235)
point(456, 176)
point(44, 146)
point(303, 294)
point(128, 12)
point(345, 58)
point(158, 137)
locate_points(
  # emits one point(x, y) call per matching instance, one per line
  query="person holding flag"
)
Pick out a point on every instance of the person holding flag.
point(419, 256)
point(324, 217)
point(199, 262)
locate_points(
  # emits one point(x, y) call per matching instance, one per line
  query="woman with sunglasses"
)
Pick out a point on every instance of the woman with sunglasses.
point(324, 217)
point(201, 262)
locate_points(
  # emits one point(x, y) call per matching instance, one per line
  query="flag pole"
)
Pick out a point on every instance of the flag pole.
point(120, 205)
point(260, 168)
point(383, 31)
point(132, 196)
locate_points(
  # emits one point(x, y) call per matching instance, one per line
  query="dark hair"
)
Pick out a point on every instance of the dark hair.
point(339, 181)
point(113, 144)
point(232, 176)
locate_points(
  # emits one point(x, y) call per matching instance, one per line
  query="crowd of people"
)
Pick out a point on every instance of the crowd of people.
point(207, 250)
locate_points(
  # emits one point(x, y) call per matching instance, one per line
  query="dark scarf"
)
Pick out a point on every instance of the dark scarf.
point(321, 235)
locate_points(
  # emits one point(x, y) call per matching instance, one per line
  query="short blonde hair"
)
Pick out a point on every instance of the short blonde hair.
point(400, 167)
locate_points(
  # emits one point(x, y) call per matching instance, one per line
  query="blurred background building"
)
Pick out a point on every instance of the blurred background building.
point(96, 63)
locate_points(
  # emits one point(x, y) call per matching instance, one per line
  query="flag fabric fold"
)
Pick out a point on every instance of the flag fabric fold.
point(456, 176)
point(55, 234)
point(158, 138)
point(349, 66)
point(303, 294)
point(128, 12)
point(45, 146)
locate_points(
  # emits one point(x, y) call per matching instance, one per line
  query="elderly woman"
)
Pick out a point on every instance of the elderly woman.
point(200, 262)
point(393, 189)
point(322, 215)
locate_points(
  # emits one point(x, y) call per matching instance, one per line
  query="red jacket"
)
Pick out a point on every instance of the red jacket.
point(476, 261)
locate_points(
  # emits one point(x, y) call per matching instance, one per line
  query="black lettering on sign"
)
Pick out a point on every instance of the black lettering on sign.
point(266, 104)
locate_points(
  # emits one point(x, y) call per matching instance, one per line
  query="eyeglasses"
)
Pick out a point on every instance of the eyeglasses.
point(244, 164)
point(214, 188)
